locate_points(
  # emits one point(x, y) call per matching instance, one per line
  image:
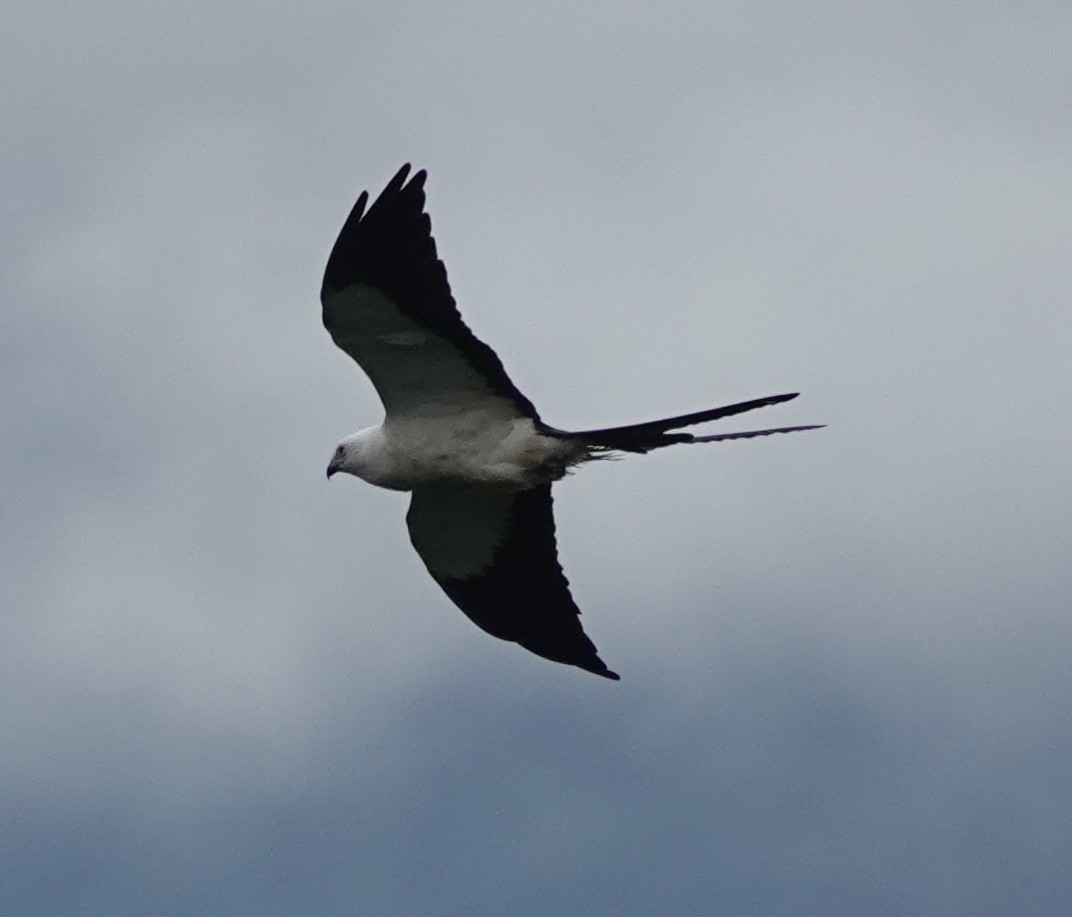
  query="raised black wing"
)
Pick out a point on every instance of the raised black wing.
point(387, 303)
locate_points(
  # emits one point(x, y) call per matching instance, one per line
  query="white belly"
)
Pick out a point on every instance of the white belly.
point(509, 454)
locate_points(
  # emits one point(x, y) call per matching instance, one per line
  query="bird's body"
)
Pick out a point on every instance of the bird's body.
point(461, 437)
point(463, 449)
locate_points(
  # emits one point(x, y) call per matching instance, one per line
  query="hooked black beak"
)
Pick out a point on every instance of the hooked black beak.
point(332, 468)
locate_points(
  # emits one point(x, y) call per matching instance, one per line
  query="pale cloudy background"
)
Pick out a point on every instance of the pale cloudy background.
point(228, 688)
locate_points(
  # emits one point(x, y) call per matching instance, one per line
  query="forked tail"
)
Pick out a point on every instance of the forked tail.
point(643, 437)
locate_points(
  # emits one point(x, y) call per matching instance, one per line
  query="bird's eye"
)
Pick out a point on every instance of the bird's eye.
point(339, 452)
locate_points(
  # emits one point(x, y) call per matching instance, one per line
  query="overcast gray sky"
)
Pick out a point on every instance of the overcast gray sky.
point(228, 687)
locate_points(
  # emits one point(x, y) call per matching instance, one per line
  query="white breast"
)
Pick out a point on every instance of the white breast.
point(473, 448)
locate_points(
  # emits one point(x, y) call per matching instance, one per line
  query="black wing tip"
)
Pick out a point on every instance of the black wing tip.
point(357, 212)
point(402, 184)
point(399, 178)
point(399, 182)
point(397, 185)
point(398, 200)
point(597, 667)
point(569, 654)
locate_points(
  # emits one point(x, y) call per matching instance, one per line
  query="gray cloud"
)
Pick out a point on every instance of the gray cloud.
point(229, 688)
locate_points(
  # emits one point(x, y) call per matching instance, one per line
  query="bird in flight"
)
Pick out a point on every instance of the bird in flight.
point(460, 436)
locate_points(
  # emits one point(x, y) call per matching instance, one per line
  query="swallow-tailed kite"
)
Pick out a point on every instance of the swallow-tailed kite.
point(458, 434)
